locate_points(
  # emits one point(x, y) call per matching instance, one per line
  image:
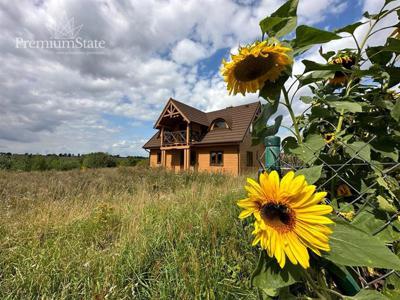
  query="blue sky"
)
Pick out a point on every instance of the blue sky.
point(108, 99)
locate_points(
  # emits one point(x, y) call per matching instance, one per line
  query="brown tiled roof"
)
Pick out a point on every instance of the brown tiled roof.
point(238, 119)
point(154, 141)
point(193, 114)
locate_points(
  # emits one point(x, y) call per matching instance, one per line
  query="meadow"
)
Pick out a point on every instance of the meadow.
point(123, 233)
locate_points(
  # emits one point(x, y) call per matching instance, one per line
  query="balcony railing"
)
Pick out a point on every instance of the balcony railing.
point(179, 137)
point(174, 137)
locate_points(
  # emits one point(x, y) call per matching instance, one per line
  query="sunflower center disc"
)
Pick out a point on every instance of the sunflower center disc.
point(278, 216)
point(252, 67)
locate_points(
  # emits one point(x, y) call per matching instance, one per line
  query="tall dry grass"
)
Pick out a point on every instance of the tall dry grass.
point(123, 233)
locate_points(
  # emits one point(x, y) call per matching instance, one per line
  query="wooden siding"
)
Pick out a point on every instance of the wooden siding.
point(244, 148)
point(230, 159)
point(153, 158)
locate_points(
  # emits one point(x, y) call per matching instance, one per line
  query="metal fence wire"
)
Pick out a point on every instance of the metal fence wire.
point(357, 197)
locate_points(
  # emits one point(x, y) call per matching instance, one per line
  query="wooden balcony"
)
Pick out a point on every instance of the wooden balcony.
point(174, 138)
point(179, 138)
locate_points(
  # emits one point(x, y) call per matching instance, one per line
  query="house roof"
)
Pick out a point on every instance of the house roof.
point(193, 114)
point(238, 119)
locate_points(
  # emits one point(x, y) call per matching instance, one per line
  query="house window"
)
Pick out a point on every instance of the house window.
point(219, 123)
point(249, 158)
point(158, 157)
point(216, 158)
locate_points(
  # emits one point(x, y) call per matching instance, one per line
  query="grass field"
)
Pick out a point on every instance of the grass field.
point(123, 233)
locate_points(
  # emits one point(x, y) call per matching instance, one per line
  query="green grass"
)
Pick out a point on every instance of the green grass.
point(123, 233)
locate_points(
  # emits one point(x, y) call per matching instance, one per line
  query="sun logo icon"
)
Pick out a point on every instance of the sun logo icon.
point(65, 30)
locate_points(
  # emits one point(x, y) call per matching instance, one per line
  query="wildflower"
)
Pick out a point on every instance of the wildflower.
point(288, 217)
point(343, 190)
point(329, 137)
point(347, 61)
point(254, 65)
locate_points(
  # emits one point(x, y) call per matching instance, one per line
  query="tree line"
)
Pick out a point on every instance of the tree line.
point(65, 161)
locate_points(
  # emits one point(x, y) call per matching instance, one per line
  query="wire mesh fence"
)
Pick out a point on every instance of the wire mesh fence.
point(355, 199)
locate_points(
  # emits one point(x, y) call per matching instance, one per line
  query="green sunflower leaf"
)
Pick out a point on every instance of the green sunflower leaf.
point(367, 295)
point(394, 73)
point(272, 90)
point(315, 77)
point(261, 129)
point(282, 21)
point(306, 99)
point(269, 277)
point(395, 113)
point(359, 150)
point(385, 205)
point(349, 28)
point(371, 222)
point(326, 55)
point(313, 66)
point(378, 55)
point(392, 45)
point(310, 149)
point(391, 288)
point(307, 36)
point(346, 106)
point(312, 174)
point(351, 246)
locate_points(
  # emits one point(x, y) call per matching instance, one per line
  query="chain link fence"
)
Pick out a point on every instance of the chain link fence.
point(355, 199)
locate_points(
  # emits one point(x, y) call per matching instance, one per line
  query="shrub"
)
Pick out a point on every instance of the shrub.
point(39, 163)
point(5, 162)
point(98, 160)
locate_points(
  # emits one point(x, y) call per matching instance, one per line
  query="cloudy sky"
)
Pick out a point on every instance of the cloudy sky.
point(54, 101)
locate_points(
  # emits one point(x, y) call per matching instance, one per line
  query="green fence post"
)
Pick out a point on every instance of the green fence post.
point(272, 153)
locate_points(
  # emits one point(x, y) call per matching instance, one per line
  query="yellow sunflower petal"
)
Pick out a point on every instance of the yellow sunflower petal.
point(274, 183)
point(289, 253)
point(279, 253)
point(286, 181)
point(321, 209)
point(299, 251)
point(313, 200)
point(247, 203)
point(246, 213)
point(315, 219)
point(256, 240)
point(268, 185)
point(289, 217)
point(313, 240)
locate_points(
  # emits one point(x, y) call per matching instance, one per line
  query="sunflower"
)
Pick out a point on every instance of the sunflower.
point(255, 64)
point(288, 217)
point(347, 61)
point(329, 137)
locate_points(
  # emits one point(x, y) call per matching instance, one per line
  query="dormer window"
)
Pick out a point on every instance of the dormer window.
point(219, 123)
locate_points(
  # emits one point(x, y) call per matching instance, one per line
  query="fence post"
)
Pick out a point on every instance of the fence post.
point(272, 153)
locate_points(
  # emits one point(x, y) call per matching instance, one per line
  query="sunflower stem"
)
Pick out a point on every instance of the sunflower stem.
point(314, 287)
point(340, 122)
point(292, 116)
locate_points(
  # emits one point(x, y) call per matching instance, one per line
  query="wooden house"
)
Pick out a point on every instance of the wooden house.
point(217, 141)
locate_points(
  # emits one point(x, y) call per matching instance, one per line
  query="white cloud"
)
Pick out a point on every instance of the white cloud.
point(311, 11)
point(51, 102)
point(188, 52)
